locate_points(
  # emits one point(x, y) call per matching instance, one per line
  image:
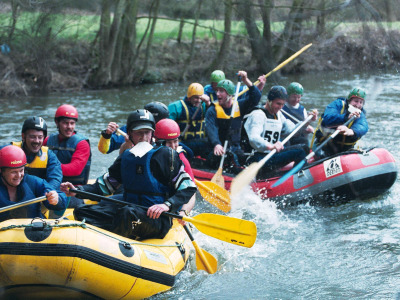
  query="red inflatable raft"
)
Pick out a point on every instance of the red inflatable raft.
point(329, 181)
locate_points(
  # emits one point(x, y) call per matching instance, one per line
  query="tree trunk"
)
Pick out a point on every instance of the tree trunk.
point(181, 24)
point(150, 39)
point(14, 17)
point(192, 45)
point(220, 60)
point(261, 47)
point(320, 29)
point(108, 38)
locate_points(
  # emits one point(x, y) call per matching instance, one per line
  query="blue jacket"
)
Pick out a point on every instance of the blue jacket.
point(30, 188)
point(335, 114)
point(116, 140)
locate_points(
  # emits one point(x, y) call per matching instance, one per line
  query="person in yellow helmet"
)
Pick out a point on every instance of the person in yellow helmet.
point(189, 113)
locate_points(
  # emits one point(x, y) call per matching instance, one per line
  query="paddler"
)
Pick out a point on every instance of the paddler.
point(189, 113)
point(41, 161)
point(16, 186)
point(262, 130)
point(336, 114)
point(110, 140)
point(220, 126)
point(151, 176)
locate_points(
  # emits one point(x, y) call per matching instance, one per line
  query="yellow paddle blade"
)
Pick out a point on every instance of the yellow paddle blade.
point(231, 230)
point(244, 178)
point(216, 195)
point(218, 178)
point(204, 260)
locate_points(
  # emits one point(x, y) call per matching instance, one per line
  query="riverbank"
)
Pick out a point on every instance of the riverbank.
point(68, 66)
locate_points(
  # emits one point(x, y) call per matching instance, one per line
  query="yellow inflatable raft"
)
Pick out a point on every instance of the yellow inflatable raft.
point(44, 259)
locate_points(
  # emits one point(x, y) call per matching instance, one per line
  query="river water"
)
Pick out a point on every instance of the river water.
point(305, 252)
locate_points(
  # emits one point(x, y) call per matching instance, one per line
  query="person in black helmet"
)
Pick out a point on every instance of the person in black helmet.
point(110, 140)
point(41, 161)
point(153, 177)
point(262, 130)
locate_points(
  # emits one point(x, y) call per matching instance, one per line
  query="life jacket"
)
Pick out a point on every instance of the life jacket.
point(271, 135)
point(196, 124)
point(64, 152)
point(229, 128)
point(140, 186)
point(342, 142)
point(38, 166)
point(211, 93)
point(298, 113)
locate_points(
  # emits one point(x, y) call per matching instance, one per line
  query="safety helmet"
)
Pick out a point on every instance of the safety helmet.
point(66, 111)
point(12, 157)
point(167, 129)
point(277, 92)
point(227, 85)
point(36, 123)
point(140, 119)
point(159, 110)
point(217, 76)
point(295, 88)
point(195, 89)
point(357, 92)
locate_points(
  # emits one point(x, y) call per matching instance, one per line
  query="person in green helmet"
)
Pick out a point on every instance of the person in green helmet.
point(296, 112)
point(217, 76)
point(220, 127)
point(333, 118)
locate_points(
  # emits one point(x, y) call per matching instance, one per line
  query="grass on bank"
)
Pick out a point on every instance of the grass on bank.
point(84, 27)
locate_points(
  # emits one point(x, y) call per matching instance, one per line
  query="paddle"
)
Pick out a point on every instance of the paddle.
point(301, 164)
point(204, 260)
point(21, 204)
point(280, 66)
point(218, 178)
point(214, 194)
point(211, 192)
point(290, 116)
point(246, 176)
point(231, 230)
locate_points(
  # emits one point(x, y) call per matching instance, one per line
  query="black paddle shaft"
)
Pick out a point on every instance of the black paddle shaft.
point(94, 196)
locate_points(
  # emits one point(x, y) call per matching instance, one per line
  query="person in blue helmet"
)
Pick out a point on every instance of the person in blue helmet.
point(153, 177)
point(16, 186)
point(110, 140)
point(262, 129)
point(41, 161)
point(333, 118)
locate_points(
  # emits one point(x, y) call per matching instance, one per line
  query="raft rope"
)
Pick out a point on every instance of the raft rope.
point(84, 226)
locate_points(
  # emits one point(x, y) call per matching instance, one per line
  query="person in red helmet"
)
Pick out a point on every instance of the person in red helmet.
point(71, 148)
point(167, 133)
point(16, 186)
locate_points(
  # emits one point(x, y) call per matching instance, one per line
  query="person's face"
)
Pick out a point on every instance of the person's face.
point(223, 97)
point(214, 85)
point(33, 140)
point(357, 102)
point(172, 143)
point(195, 100)
point(66, 127)
point(275, 105)
point(294, 99)
point(141, 135)
point(13, 176)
